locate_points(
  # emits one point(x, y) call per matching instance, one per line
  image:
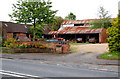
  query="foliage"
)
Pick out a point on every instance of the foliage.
point(39, 31)
point(57, 23)
point(104, 20)
point(33, 12)
point(114, 35)
point(10, 42)
point(70, 16)
point(110, 55)
point(31, 45)
point(0, 41)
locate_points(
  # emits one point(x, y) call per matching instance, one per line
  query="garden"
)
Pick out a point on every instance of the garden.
point(13, 46)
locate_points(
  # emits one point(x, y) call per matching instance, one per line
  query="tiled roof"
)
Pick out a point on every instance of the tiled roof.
point(20, 28)
point(76, 30)
point(13, 27)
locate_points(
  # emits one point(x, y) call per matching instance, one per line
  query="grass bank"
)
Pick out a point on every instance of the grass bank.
point(5, 48)
point(110, 55)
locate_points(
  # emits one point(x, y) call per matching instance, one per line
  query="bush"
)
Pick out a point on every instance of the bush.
point(114, 36)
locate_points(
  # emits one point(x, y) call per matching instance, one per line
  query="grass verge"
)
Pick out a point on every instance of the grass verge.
point(5, 48)
point(110, 55)
point(73, 50)
point(79, 43)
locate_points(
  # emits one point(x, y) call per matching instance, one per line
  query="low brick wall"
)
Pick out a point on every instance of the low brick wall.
point(52, 44)
point(65, 48)
point(62, 48)
point(30, 50)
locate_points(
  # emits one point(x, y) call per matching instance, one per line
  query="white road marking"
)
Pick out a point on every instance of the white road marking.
point(10, 74)
point(16, 74)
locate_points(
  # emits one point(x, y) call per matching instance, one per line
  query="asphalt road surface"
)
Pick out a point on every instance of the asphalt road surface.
point(18, 68)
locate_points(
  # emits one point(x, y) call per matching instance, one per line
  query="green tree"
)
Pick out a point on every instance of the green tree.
point(104, 20)
point(114, 35)
point(33, 12)
point(39, 30)
point(57, 23)
point(70, 16)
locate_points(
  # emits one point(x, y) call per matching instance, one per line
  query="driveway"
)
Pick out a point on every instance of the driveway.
point(93, 48)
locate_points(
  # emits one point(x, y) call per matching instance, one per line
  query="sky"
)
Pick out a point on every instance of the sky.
point(83, 9)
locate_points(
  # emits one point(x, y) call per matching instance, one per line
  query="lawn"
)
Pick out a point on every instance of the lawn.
point(110, 55)
point(79, 43)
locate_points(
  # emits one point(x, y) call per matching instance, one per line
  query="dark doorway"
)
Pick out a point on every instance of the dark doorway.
point(27, 35)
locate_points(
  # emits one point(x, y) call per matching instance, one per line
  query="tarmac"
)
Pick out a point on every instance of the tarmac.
point(78, 60)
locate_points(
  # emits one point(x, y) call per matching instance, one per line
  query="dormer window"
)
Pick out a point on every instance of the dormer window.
point(6, 25)
point(25, 26)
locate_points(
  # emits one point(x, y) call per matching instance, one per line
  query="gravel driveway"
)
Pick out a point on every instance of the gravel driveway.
point(93, 48)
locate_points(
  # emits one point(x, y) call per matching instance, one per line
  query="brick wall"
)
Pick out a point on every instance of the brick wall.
point(65, 48)
point(102, 36)
point(9, 35)
point(4, 34)
point(21, 34)
point(29, 50)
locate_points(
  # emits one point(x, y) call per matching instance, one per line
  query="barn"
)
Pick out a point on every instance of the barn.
point(71, 30)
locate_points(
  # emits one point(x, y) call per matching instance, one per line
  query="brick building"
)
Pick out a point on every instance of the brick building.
point(16, 31)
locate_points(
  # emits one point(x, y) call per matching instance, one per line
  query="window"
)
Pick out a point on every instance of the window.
point(25, 26)
point(6, 25)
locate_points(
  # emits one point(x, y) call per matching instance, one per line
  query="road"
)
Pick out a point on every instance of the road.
point(34, 69)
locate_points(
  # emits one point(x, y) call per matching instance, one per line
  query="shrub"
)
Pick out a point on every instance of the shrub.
point(114, 35)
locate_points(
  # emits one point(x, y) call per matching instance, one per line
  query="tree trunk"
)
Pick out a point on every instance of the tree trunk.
point(34, 31)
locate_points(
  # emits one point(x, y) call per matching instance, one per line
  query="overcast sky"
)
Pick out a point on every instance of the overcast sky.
point(83, 9)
